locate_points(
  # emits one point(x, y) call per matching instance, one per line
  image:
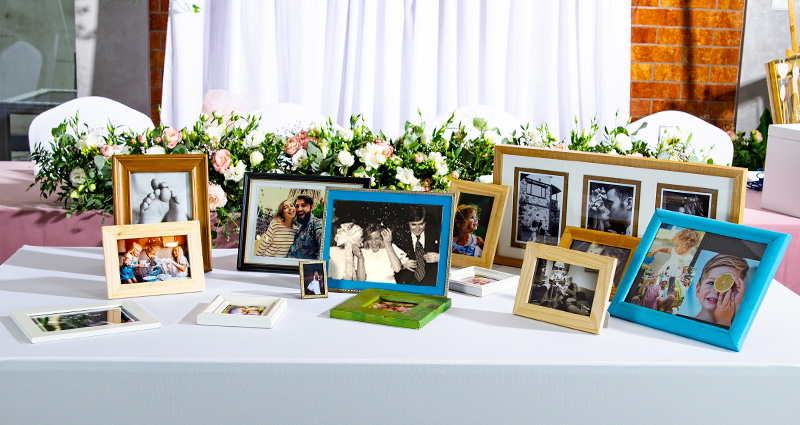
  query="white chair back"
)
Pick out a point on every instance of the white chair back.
point(706, 138)
point(20, 66)
point(494, 117)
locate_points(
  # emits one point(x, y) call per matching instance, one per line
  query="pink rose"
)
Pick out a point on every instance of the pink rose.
point(419, 158)
point(222, 160)
point(731, 134)
point(384, 148)
point(426, 185)
point(561, 146)
point(455, 174)
point(172, 136)
point(292, 146)
point(107, 151)
point(636, 154)
point(157, 140)
point(216, 197)
point(142, 139)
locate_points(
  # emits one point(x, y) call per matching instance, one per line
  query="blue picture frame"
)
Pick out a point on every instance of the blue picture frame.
point(732, 338)
point(395, 203)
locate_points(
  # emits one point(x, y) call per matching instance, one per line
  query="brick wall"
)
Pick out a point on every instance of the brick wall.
point(684, 56)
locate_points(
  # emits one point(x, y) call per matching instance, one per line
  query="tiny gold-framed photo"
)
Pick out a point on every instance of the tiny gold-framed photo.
point(476, 224)
point(564, 287)
point(153, 259)
point(313, 279)
point(243, 311)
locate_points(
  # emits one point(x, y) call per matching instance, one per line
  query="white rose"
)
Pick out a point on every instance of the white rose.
point(406, 176)
point(254, 139)
point(299, 156)
point(492, 137)
point(536, 138)
point(345, 159)
point(235, 173)
point(196, 151)
point(155, 150)
point(77, 176)
point(256, 158)
point(216, 197)
point(592, 142)
point(315, 126)
point(486, 179)
point(346, 134)
point(624, 142)
point(123, 150)
point(215, 132)
point(371, 155)
point(439, 161)
point(425, 138)
point(89, 140)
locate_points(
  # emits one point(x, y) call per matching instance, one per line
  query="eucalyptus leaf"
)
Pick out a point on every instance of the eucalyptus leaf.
point(99, 162)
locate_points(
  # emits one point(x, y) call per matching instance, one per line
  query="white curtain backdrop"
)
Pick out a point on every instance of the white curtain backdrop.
point(541, 60)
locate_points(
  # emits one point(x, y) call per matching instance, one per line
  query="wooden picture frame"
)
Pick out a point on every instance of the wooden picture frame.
point(728, 182)
point(308, 289)
point(606, 185)
point(187, 178)
point(689, 302)
point(621, 247)
point(169, 259)
point(480, 281)
point(263, 194)
point(391, 308)
point(243, 311)
point(103, 318)
point(786, 108)
point(481, 196)
point(693, 204)
point(368, 218)
point(544, 291)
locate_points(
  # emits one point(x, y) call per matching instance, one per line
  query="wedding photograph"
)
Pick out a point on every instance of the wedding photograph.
point(539, 212)
point(564, 287)
point(611, 205)
point(157, 197)
point(313, 279)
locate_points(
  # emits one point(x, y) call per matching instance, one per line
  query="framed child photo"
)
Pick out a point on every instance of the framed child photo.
point(564, 287)
point(391, 308)
point(620, 247)
point(476, 224)
point(388, 239)
point(163, 189)
point(700, 278)
point(283, 219)
point(153, 259)
point(313, 279)
point(243, 311)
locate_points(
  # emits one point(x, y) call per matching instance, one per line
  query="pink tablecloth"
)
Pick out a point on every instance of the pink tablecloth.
point(29, 220)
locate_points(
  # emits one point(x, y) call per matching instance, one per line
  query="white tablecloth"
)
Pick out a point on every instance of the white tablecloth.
point(476, 363)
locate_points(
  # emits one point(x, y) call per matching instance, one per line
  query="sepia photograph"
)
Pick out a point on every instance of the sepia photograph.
point(611, 205)
point(539, 212)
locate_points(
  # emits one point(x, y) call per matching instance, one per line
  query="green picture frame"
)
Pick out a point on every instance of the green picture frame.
point(391, 308)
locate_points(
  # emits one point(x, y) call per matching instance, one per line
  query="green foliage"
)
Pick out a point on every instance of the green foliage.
point(750, 150)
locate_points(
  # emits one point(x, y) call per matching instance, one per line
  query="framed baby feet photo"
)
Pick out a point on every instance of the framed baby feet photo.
point(163, 189)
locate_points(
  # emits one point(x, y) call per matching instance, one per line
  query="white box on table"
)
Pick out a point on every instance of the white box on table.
point(781, 191)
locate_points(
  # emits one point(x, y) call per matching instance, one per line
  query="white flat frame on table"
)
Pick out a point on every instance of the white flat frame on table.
point(341, 371)
point(212, 315)
point(503, 281)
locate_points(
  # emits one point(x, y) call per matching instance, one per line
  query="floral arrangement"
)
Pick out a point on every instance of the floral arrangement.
point(77, 167)
point(750, 149)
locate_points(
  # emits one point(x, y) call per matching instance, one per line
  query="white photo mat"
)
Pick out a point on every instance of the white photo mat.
point(213, 315)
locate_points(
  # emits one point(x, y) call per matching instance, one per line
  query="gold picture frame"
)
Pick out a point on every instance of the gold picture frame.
point(161, 265)
point(477, 194)
point(546, 293)
point(728, 182)
point(612, 245)
point(307, 269)
point(186, 175)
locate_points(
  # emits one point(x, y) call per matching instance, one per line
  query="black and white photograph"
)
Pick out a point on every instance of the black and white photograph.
point(157, 197)
point(621, 254)
point(611, 205)
point(564, 287)
point(694, 201)
point(539, 212)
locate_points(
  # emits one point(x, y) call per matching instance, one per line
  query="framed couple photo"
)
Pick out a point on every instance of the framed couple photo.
point(283, 219)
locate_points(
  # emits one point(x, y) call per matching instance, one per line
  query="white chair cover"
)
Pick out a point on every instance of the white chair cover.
point(286, 119)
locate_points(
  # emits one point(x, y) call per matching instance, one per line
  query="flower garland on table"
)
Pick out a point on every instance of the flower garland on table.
point(78, 167)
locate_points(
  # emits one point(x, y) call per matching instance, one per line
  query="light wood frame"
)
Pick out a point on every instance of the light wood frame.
point(712, 205)
point(611, 180)
point(730, 183)
point(212, 315)
point(500, 194)
point(592, 323)
point(34, 333)
point(195, 282)
point(572, 234)
point(324, 293)
point(194, 164)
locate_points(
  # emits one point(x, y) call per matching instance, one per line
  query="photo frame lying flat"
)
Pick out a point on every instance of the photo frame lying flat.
point(313, 279)
point(620, 247)
point(153, 259)
point(163, 188)
point(553, 188)
point(556, 287)
point(243, 311)
point(391, 308)
point(397, 232)
point(104, 318)
point(479, 212)
point(480, 281)
point(276, 237)
point(700, 278)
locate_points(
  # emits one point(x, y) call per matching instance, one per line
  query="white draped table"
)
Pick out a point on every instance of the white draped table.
point(476, 363)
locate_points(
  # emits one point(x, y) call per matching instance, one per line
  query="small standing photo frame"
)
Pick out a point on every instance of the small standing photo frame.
point(243, 311)
point(700, 278)
point(620, 247)
point(481, 282)
point(476, 223)
point(163, 189)
point(153, 259)
point(110, 317)
point(391, 308)
point(564, 287)
point(313, 279)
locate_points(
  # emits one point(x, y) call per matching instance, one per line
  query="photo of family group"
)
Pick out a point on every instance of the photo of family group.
point(698, 275)
point(470, 224)
point(82, 319)
point(563, 286)
point(539, 212)
point(694, 201)
point(153, 259)
point(611, 205)
point(385, 242)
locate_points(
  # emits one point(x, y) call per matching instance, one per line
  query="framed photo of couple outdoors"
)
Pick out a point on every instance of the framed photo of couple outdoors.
point(388, 239)
point(283, 219)
point(163, 188)
point(553, 188)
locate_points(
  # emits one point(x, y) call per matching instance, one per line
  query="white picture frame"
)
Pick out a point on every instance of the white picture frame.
point(36, 331)
point(272, 309)
point(460, 281)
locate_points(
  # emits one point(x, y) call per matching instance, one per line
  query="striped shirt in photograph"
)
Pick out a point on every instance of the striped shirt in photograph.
point(276, 240)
